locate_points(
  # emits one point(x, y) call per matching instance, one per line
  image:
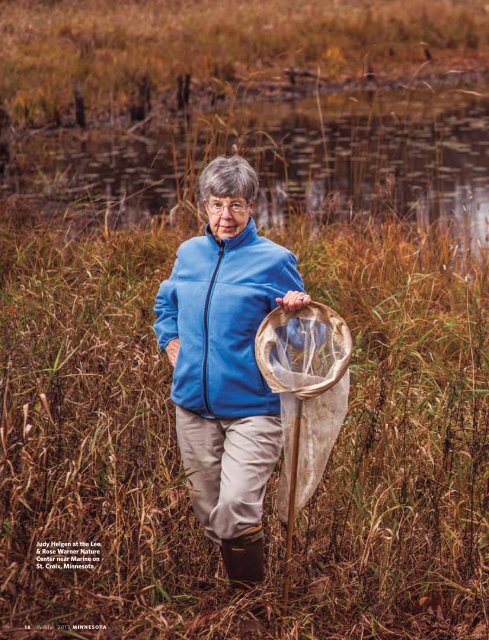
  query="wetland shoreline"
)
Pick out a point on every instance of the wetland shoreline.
point(305, 86)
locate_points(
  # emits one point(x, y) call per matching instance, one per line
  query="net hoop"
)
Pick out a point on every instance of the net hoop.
point(266, 339)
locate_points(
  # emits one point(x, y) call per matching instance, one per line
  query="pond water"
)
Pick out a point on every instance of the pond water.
point(420, 154)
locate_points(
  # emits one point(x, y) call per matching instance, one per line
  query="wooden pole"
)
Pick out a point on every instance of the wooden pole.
point(292, 492)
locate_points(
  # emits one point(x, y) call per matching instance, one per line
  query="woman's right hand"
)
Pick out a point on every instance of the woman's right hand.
point(172, 349)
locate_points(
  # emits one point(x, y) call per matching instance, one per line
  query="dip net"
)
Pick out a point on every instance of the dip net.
point(304, 356)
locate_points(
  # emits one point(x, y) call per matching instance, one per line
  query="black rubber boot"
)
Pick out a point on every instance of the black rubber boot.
point(243, 559)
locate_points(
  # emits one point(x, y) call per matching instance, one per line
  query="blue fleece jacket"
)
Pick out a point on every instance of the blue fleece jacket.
point(214, 301)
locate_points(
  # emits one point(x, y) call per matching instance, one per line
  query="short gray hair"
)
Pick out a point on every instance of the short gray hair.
point(228, 176)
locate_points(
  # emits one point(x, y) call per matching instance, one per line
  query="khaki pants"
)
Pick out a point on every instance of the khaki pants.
point(228, 463)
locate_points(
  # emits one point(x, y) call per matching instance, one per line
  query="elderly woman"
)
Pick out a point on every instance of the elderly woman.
point(222, 285)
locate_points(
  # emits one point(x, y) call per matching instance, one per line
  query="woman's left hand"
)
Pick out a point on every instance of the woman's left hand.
point(294, 300)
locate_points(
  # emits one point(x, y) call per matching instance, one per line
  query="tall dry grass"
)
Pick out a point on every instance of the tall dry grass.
point(106, 49)
point(392, 544)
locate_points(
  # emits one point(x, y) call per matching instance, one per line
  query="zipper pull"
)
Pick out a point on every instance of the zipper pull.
point(221, 250)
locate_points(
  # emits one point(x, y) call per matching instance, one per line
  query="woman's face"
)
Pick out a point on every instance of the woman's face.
point(228, 216)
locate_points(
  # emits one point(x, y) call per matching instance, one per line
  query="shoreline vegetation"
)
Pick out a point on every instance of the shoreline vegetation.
point(65, 63)
point(392, 544)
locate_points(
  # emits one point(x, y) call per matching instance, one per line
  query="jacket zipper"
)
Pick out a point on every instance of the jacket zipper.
point(206, 328)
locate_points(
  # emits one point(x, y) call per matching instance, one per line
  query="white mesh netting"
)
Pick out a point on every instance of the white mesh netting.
point(304, 355)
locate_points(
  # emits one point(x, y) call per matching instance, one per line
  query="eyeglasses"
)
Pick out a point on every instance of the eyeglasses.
point(217, 207)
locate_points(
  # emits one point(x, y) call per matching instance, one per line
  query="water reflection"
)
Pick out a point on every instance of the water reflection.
point(403, 154)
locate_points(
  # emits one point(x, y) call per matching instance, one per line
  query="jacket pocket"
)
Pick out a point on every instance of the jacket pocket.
point(264, 388)
point(180, 367)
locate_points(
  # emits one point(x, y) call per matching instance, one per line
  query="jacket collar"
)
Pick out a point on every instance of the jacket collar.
point(247, 236)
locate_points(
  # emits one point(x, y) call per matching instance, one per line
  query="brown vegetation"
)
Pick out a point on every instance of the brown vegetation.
point(110, 51)
point(392, 544)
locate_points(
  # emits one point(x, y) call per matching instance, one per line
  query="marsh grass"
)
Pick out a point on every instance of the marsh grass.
point(392, 544)
point(49, 49)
